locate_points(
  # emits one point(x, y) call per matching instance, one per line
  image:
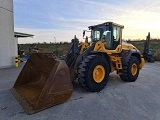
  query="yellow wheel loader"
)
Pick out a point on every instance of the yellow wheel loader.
point(45, 81)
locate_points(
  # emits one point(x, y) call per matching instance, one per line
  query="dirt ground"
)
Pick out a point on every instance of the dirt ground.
point(119, 100)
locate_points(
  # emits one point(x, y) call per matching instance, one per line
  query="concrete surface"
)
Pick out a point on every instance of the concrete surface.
point(119, 100)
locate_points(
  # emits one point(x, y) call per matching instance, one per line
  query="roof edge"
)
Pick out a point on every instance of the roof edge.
point(19, 34)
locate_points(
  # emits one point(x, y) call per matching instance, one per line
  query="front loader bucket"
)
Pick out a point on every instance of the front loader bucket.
point(42, 83)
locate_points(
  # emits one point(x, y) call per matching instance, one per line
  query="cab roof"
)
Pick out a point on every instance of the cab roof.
point(107, 23)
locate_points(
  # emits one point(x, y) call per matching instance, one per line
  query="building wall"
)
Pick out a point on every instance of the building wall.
point(8, 44)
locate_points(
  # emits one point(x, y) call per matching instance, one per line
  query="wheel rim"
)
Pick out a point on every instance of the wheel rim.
point(98, 73)
point(134, 69)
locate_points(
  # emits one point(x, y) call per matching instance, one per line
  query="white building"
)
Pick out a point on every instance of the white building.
point(8, 39)
point(8, 45)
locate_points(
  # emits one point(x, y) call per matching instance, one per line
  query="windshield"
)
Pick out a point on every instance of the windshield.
point(99, 32)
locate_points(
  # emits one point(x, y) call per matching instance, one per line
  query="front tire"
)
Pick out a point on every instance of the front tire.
point(130, 72)
point(93, 73)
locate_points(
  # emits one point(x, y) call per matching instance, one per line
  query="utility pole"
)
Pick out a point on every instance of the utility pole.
point(55, 39)
point(56, 47)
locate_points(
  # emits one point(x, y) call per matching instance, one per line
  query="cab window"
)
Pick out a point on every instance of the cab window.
point(116, 36)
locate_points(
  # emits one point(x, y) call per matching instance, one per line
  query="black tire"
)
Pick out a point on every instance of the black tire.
point(85, 73)
point(127, 75)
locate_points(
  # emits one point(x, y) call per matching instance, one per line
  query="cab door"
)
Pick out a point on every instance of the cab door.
point(116, 37)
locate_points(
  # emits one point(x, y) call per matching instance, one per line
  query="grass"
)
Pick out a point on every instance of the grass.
point(154, 44)
point(61, 49)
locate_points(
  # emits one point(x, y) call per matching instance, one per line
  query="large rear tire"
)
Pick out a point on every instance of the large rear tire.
point(93, 73)
point(130, 72)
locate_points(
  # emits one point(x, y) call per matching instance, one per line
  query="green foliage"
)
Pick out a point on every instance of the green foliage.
point(58, 48)
point(62, 48)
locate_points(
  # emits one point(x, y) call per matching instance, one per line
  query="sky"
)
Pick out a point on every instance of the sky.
point(60, 20)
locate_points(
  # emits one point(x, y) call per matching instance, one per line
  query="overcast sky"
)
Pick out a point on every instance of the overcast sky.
point(63, 19)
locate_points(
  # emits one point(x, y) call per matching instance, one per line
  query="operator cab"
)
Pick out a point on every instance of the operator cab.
point(108, 32)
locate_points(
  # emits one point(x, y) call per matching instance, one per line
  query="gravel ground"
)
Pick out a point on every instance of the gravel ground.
point(119, 100)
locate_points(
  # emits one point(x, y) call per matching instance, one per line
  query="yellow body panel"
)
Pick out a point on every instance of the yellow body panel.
point(128, 47)
point(100, 46)
point(84, 46)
